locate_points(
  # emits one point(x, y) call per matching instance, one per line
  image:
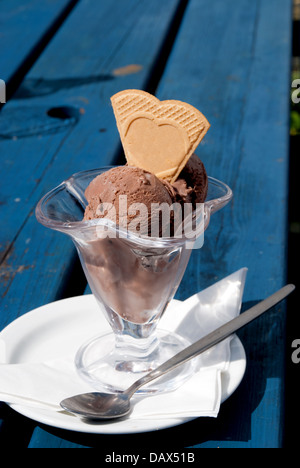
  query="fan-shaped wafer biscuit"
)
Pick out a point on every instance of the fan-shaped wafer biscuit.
point(157, 136)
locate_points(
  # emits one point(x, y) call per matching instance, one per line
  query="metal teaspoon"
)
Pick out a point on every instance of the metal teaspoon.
point(101, 406)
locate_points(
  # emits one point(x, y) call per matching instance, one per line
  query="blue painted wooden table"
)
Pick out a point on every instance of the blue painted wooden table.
point(61, 61)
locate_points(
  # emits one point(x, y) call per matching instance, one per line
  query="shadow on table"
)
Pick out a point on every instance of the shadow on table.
point(34, 87)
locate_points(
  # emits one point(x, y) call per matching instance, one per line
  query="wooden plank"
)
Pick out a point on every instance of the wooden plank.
point(236, 61)
point(78, 72)
point(26, 27)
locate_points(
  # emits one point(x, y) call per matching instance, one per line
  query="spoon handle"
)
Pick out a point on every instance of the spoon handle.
point(213, 338)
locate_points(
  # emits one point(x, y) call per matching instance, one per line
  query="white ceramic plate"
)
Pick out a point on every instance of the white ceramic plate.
point(53, 330)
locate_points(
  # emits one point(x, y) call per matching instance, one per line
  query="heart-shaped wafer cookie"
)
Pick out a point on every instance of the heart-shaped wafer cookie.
point(157, 136)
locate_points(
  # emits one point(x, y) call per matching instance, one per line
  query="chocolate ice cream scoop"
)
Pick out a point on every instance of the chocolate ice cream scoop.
point(128, 196)
point(135, 199)
point(192, 183)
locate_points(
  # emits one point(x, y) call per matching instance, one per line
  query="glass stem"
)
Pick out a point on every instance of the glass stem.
point(136, 341)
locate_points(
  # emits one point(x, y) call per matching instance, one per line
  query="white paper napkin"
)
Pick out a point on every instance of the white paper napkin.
point(43, 385)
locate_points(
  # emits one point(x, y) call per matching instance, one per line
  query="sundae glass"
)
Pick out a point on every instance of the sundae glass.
point(133, 278)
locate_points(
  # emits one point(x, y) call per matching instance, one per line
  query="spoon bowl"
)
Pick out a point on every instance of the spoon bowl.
point(96, 405)
point(101, 406)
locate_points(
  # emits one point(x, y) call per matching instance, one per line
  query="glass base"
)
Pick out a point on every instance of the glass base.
point(107, 369)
